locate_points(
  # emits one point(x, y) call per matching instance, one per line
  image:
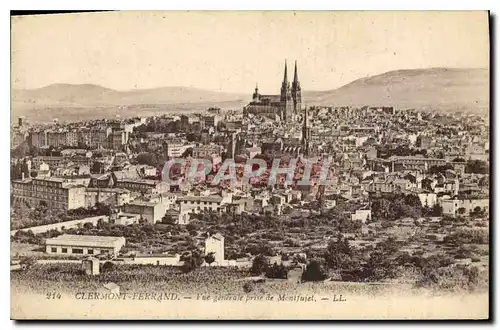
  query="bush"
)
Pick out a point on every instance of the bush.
point(454, 278)
point(260, 265)
point(277, 271)
point(477, 236)
point(108, 267)
point(192, 262)
point(248, 287)
point(210, 258)
point(314, 272)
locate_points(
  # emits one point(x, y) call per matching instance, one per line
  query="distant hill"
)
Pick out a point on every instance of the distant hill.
point(69, 102)
point(427, 89)
point(440, 89)
point(88, 95)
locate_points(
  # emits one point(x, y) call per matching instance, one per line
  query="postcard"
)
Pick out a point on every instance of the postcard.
point(316, 165)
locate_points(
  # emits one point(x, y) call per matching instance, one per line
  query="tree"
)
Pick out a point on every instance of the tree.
point(484, 181)
point(472, 274)
point(192, 261)
point(248, 287)
point(381, 208)
point(338, 253)
point(314, 272)
point(210, 258)
point(192, 227)
point(379, 267)
point(477, 212)
point(277, 271)
point(436, 169)
point(341, 258)
point(259, 265)
point(147, 158)
point(168, 219)
point(108, 267)
point(187, 153)
point(299, 259)
point(437, 210)
point(97, 168)
point(477, 166)
point(27, 262)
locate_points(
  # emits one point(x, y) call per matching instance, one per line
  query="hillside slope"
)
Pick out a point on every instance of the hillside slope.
point(430, 89)
point(87, 95)
point(439, 89)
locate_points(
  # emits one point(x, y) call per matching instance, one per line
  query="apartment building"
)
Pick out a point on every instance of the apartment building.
point(55, 193)
point(144, 186)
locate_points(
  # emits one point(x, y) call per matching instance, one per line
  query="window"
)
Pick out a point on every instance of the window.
point(78, 251)
point(90, 251)
point(53, 250)
point(64, 250)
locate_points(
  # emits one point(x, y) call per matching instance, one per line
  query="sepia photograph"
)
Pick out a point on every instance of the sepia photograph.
point(250, 165)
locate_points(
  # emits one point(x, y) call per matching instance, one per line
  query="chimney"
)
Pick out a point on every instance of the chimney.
point(22, 176)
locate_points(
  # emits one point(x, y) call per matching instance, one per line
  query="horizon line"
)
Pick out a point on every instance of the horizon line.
point(221, 91)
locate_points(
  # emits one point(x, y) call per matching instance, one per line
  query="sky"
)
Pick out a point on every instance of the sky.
point(232, 51)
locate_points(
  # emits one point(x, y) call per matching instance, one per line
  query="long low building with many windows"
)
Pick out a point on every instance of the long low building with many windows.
point(84, 244)
point(55, 193)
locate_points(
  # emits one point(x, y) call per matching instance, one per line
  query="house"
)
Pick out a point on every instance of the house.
point(362, 215)
point(251, 152)
point(329, 203)
point(107, 196)
point(458, 206)
point(196, 204)
point(124, 219)
point(84, 245)
point(237, 206)
point(215, 244)
point(427, 199)
point(178, 217)
point(149, 211)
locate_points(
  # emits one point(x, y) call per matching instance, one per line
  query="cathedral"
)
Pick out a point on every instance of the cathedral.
point(285, 106)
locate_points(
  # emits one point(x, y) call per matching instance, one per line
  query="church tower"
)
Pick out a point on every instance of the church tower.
point(296, 92)
point(306, 133)
point(256, 95)
point(286, 97)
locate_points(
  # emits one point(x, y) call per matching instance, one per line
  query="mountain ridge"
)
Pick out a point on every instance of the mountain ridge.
point(85, 95)
point(426, 89)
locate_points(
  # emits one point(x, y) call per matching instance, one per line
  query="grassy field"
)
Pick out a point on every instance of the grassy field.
point(144, 278)
point(68, 278)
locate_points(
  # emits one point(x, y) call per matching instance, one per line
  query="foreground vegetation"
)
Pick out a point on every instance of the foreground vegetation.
point(222, 280)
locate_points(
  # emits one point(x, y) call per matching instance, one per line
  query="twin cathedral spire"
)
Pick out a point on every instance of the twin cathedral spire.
point(287, 105)
point(293, 94)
